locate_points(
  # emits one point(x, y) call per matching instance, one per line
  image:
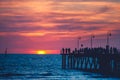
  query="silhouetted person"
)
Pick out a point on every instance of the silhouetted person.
point(63, 51)
point(69, 51)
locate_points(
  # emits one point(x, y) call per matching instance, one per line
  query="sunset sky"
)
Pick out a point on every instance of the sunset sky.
point(30, 25)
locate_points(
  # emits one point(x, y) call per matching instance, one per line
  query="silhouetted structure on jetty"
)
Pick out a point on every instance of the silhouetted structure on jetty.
point(103, 60)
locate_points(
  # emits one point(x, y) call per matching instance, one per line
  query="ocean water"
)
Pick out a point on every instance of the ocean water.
point(41, 67)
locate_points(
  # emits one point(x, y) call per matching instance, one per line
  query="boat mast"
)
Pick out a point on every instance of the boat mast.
point(6, 51)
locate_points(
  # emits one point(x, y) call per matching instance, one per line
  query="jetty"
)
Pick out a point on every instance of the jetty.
point(101, 60)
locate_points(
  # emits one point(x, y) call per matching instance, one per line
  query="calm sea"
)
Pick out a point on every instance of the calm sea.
point(41, 67)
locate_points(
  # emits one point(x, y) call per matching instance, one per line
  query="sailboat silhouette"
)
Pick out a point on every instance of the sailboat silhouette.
point(5, 51)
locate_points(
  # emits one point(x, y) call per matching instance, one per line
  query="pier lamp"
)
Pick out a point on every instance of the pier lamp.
point(78, 42)
point(108, 35)
point(92, 36)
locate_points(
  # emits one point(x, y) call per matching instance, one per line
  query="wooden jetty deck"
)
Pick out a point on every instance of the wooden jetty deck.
point(102, 60)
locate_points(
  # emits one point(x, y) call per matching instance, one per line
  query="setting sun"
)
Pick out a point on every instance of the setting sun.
point(41, 52)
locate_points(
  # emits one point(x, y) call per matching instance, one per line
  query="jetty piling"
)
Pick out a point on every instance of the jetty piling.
point(103, 60)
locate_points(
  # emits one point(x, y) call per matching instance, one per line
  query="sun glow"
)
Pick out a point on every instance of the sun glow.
point(41, 52)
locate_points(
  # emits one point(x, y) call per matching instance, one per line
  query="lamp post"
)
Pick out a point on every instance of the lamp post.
point(108, 35)
point(78, 42)
point(92, 36)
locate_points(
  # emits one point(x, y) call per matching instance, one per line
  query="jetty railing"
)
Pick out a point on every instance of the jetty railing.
point(103, 60)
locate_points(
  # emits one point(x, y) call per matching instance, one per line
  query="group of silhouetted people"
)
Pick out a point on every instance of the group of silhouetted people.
point(99, 50)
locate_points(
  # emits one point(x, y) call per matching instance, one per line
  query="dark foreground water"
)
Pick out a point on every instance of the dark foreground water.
point(41, 67)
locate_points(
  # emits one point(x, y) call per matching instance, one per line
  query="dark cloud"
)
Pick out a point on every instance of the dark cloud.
point(18, 19)
point(104, 9)
point(21, 23)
